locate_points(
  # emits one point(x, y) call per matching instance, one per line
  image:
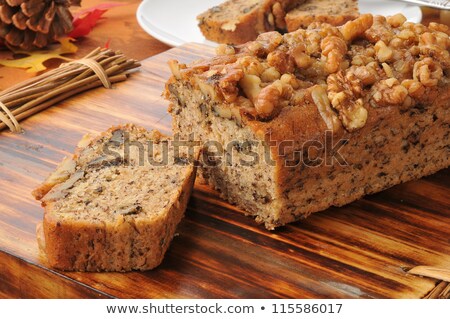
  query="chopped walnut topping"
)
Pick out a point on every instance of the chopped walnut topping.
point(428, 72)
point(415, 88)
point(270, 74)
point(344, 93)
point(228, 84)
point(279, 14)
point(301, 58)
point(356, 28)
point(366, 75)
point(268, 98)
point(396, 20)
point(251, 85)
point(384, 53)
point(320, 98)
point(380, 30)
point(367, 63)
point(334, 49)
point(388, 92)
point(282, 61)
point(225, 49)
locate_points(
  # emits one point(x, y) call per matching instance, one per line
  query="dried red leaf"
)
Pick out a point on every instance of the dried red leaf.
point(85, 20)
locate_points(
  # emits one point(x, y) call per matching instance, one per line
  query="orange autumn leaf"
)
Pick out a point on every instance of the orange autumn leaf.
point(35, 60)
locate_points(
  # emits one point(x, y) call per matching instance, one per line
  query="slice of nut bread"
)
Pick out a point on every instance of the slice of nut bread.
point(334, 12)
point(115, 204)
point(239, 21)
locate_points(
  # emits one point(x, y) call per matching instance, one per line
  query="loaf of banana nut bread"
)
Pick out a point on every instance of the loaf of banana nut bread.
point(239, 21)
point(115, 204)
point(293, 124)
point(334, 12)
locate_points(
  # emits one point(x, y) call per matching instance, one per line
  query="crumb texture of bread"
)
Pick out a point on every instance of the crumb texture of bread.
point(342, 111)
point(115, 204)
point(334, 12)
point(239, 21)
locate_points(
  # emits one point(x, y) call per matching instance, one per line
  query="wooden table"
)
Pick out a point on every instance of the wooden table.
point(220, 253)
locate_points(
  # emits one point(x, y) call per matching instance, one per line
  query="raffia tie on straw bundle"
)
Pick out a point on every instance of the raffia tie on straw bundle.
point(100, 67)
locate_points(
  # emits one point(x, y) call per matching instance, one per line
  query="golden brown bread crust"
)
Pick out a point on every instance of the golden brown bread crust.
point(239, 21)
point(334, 12)
point(381, 84)
point(78, 235)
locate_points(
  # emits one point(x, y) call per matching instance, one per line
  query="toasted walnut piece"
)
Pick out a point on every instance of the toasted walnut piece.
point(351, 112)
point(228, 83)
point(302, 60)
point(282, 61)
point(251, 85)
point(379, 30)
point(415, 88)
point(271, 20)
point(320, 98)
point(279, 14)
point(326, 30)
point(439, 27)
point(312, 42)
point(414, 50)
point(355, 117)
point(388, 70)
point(251, 65)
point(384, 53)
point(268, 98)
point(436, 45)
point(388, 92)
point(270, 74)
point(396, 20)
point(404, 66)
point(407, 35)
point(427, 38)
point(419, 28)
point(362, 59)
point(334, 49)
point(344, 93)
point(428, 72)
point(397, 43)
point(225, 49)
point(368, 76)
point(290, 80)
point(255, 48)
point(175, 68)
point(269, 41)
point(340, 82)
point(356, 28)
point(439, 39)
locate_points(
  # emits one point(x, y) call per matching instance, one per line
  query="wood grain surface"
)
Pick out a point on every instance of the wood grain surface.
point(357, 251)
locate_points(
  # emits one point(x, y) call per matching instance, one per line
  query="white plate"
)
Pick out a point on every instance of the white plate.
point(174, 22)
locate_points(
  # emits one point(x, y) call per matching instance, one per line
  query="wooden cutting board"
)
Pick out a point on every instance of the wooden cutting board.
point(354, 251)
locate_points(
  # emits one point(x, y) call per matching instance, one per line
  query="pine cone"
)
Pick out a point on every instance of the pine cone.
point(29, 24)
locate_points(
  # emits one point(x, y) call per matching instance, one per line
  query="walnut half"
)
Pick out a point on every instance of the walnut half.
point(344, 93)
point(320, 98)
